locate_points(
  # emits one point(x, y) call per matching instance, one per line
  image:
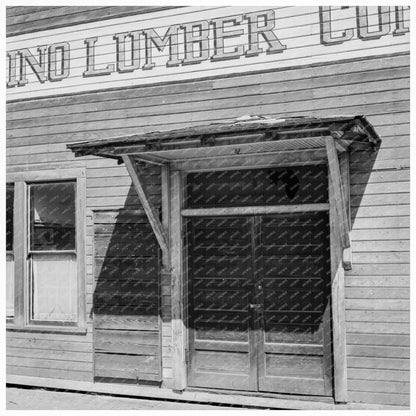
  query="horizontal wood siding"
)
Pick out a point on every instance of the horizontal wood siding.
point(298, 29)
point(377, 292)
point(126, 300)
point(49, 355)
point(26, 19)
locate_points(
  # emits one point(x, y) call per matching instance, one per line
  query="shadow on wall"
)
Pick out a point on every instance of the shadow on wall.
point(362, 160)
point(126, 300)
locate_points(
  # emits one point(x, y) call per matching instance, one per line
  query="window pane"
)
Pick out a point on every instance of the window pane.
point(54, 287)
point(9, 217)
point(9, 285)
point(52, 216)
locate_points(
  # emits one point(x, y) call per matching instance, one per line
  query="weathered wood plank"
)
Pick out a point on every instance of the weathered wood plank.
point(378, 327)
point(132, 322)
point(294, 366)
point(203, 111)
point(381, 398)
point(337, 246)
point(227, 362)
point(378, 351)
point(379, 363)
point(20, 253)
point(376, 293)
point(49, 354)
point(47, 363)
point(85, 338)
point(384, 234)
point(380, 211)
point(51, 344)
point(382, 257)
point(50, 373)
point(377, 316)
point(368, 67)
point(402, 198)
point(383, 375)
point(178, 325)
point(127, 342)
point(381, 222)
point(144, 367)
point(378, 339)
point(379, 386)
point(207, 90)
point(379, 281)
point(52, 18)
point(178, 103)
point(377, 304)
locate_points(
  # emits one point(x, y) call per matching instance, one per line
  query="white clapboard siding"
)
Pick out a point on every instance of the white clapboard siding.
point(377, 288)
point(298, 28)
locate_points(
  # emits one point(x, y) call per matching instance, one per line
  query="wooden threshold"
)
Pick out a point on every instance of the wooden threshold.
point(253, 210)
point(229, 398)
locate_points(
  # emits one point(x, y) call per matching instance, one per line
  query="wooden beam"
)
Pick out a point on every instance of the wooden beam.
point(148, 207)
point(178, 284)
point(337, 302)
point(339, 201)
point(165, 197)
point(269, 159)
point(81, 237)
point(344, 165)
point(21, 301)
point(254, 210)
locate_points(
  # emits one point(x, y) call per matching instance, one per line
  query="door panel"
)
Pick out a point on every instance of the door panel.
point(220, 270)
point(259, 303)
point(292, 264)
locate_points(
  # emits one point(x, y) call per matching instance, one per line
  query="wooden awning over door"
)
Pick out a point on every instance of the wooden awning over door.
point(256, 141)
point(252, 135)
point(232, 144)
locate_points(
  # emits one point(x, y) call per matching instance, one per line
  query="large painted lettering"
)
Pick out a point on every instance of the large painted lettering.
point(250, 36)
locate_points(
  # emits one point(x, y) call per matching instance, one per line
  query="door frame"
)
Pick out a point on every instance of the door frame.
point(256, 342)
point(173, 207)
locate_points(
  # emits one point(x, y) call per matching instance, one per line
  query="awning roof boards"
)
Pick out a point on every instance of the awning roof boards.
point(248, 135)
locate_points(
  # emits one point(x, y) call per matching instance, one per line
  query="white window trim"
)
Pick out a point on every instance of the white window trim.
point(20, 228)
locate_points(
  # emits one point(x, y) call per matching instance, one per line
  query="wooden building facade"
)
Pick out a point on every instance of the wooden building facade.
point(210, 203)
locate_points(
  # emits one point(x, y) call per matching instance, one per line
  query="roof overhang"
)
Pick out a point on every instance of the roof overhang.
point(245, 136)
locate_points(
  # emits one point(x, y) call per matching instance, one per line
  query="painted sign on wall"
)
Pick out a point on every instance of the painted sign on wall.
point(196, 42)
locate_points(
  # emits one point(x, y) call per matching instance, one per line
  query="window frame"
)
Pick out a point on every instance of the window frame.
point(31, 252)
point(21, 181)
point(9, 184)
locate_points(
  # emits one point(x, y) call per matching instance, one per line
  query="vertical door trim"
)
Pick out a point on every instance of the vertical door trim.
point(253, 333)
point(337, 302)
point(179, 370)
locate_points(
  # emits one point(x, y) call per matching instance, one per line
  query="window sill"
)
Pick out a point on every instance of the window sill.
point(47, 329)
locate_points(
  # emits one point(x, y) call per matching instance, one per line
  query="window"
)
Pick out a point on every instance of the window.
point(45, 227)
point(9, 252)
point(52, 252)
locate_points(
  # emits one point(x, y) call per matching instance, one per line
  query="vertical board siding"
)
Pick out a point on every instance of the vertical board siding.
point(377, 295)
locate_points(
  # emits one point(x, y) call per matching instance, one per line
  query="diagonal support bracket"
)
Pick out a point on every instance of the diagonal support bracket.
point(148, 207)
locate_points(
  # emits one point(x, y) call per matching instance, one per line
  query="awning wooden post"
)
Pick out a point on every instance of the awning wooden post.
point(338, 193)
point(339, 241)
point(149, 209)
point(178, 285)
point(344, 166)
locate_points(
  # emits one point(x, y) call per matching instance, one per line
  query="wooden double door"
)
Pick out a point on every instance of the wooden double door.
point(259, 303)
